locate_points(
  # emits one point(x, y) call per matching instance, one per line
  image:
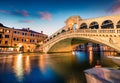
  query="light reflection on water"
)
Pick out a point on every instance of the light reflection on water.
point(18, 66)
point(48, 68)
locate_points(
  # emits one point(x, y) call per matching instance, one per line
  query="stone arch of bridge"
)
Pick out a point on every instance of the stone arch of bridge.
point(104, 41)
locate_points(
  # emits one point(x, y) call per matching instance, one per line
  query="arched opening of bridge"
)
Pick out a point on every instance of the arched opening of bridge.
point(83, 26)
point(118, 24)
point(94, 25)
point(74, 26)
point(107, 24)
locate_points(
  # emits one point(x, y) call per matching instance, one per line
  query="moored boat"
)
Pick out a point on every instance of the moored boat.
point(102, 75)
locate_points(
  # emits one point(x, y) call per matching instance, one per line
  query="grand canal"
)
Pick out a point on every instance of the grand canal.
point(50, 68)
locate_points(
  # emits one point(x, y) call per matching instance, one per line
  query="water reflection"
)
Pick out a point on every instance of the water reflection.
point(42, 63)
point(27, 64)
point(81, 56)
point(90, 57)
point(48, 68)
point(18, 67)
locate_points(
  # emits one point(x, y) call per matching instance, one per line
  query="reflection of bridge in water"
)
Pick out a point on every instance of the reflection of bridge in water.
point(102, 30)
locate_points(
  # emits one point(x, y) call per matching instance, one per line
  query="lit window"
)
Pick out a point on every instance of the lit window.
point(7, 31)
point(1, 30)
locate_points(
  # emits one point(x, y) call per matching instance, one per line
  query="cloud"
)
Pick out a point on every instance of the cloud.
point(45, 16)
point(115, 9)
point(23, 13)
point(4, 11)
point(26, 21)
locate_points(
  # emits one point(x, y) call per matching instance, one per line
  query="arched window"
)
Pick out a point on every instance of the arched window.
point(94, 25)
point(63, 31)
point(58, 33)
point(83, 26)
point(107, 24)
point(74, 26)
point(118, 24)
point(54, 36)
point(50, 38)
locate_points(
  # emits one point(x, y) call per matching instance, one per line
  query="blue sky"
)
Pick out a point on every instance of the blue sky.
point(50, 15)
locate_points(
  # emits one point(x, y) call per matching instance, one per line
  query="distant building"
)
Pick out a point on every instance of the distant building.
point(24, 39)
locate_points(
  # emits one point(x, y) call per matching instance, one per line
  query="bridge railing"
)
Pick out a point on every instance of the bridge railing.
point(88, 32)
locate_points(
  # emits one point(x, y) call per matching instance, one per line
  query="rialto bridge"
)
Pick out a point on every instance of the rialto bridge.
point(102, 30)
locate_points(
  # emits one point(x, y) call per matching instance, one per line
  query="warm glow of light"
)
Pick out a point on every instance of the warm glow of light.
point(18, 67)
point(27, 64)
point(11, 49)
point(90, 57)
point(42, 63)
point(73, 53)
point(19, 45)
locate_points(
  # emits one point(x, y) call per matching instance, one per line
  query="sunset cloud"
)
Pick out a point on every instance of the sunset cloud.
point(26, 21)
point(4, 11)
point(45, 16)
point(23, 13)
point(115, 9)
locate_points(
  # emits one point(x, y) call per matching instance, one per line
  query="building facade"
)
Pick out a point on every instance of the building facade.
point(20, 40)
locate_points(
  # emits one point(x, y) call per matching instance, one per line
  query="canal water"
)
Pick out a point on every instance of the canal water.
point(50, 68)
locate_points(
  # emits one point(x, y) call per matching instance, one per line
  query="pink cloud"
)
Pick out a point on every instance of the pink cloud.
point(27, 21)
point(4, 11)
point(45, 16)
point(22, 13)
point(116, 7)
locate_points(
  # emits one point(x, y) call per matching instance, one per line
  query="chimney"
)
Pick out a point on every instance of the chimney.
point(42, 32)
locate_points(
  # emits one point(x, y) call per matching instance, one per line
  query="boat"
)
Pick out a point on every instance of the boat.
point(102, 75)
point(115, 59)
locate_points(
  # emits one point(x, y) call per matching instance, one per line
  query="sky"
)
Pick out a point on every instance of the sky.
point(50, 15)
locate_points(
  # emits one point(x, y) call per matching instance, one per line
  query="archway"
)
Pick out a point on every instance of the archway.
point(94, 25)
point(83, 26)
point(74, 26)
point(118, 24)
point(107, 24)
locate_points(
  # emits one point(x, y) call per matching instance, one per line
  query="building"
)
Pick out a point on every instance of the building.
point(20, 40)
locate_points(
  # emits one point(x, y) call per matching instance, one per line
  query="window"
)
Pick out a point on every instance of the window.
point(17, 39)
point(1, 30)
point(15, 32)
point(25, 33)
point(31, 34)
point(22, 40)
point(6, 36)
point(18, 32)
point(14, 39)
point(0, 35)
point(7, 31)
point(22, 33)
point(6, 42)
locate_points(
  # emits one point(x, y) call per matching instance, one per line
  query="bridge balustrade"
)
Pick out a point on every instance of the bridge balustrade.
point(89, 32)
